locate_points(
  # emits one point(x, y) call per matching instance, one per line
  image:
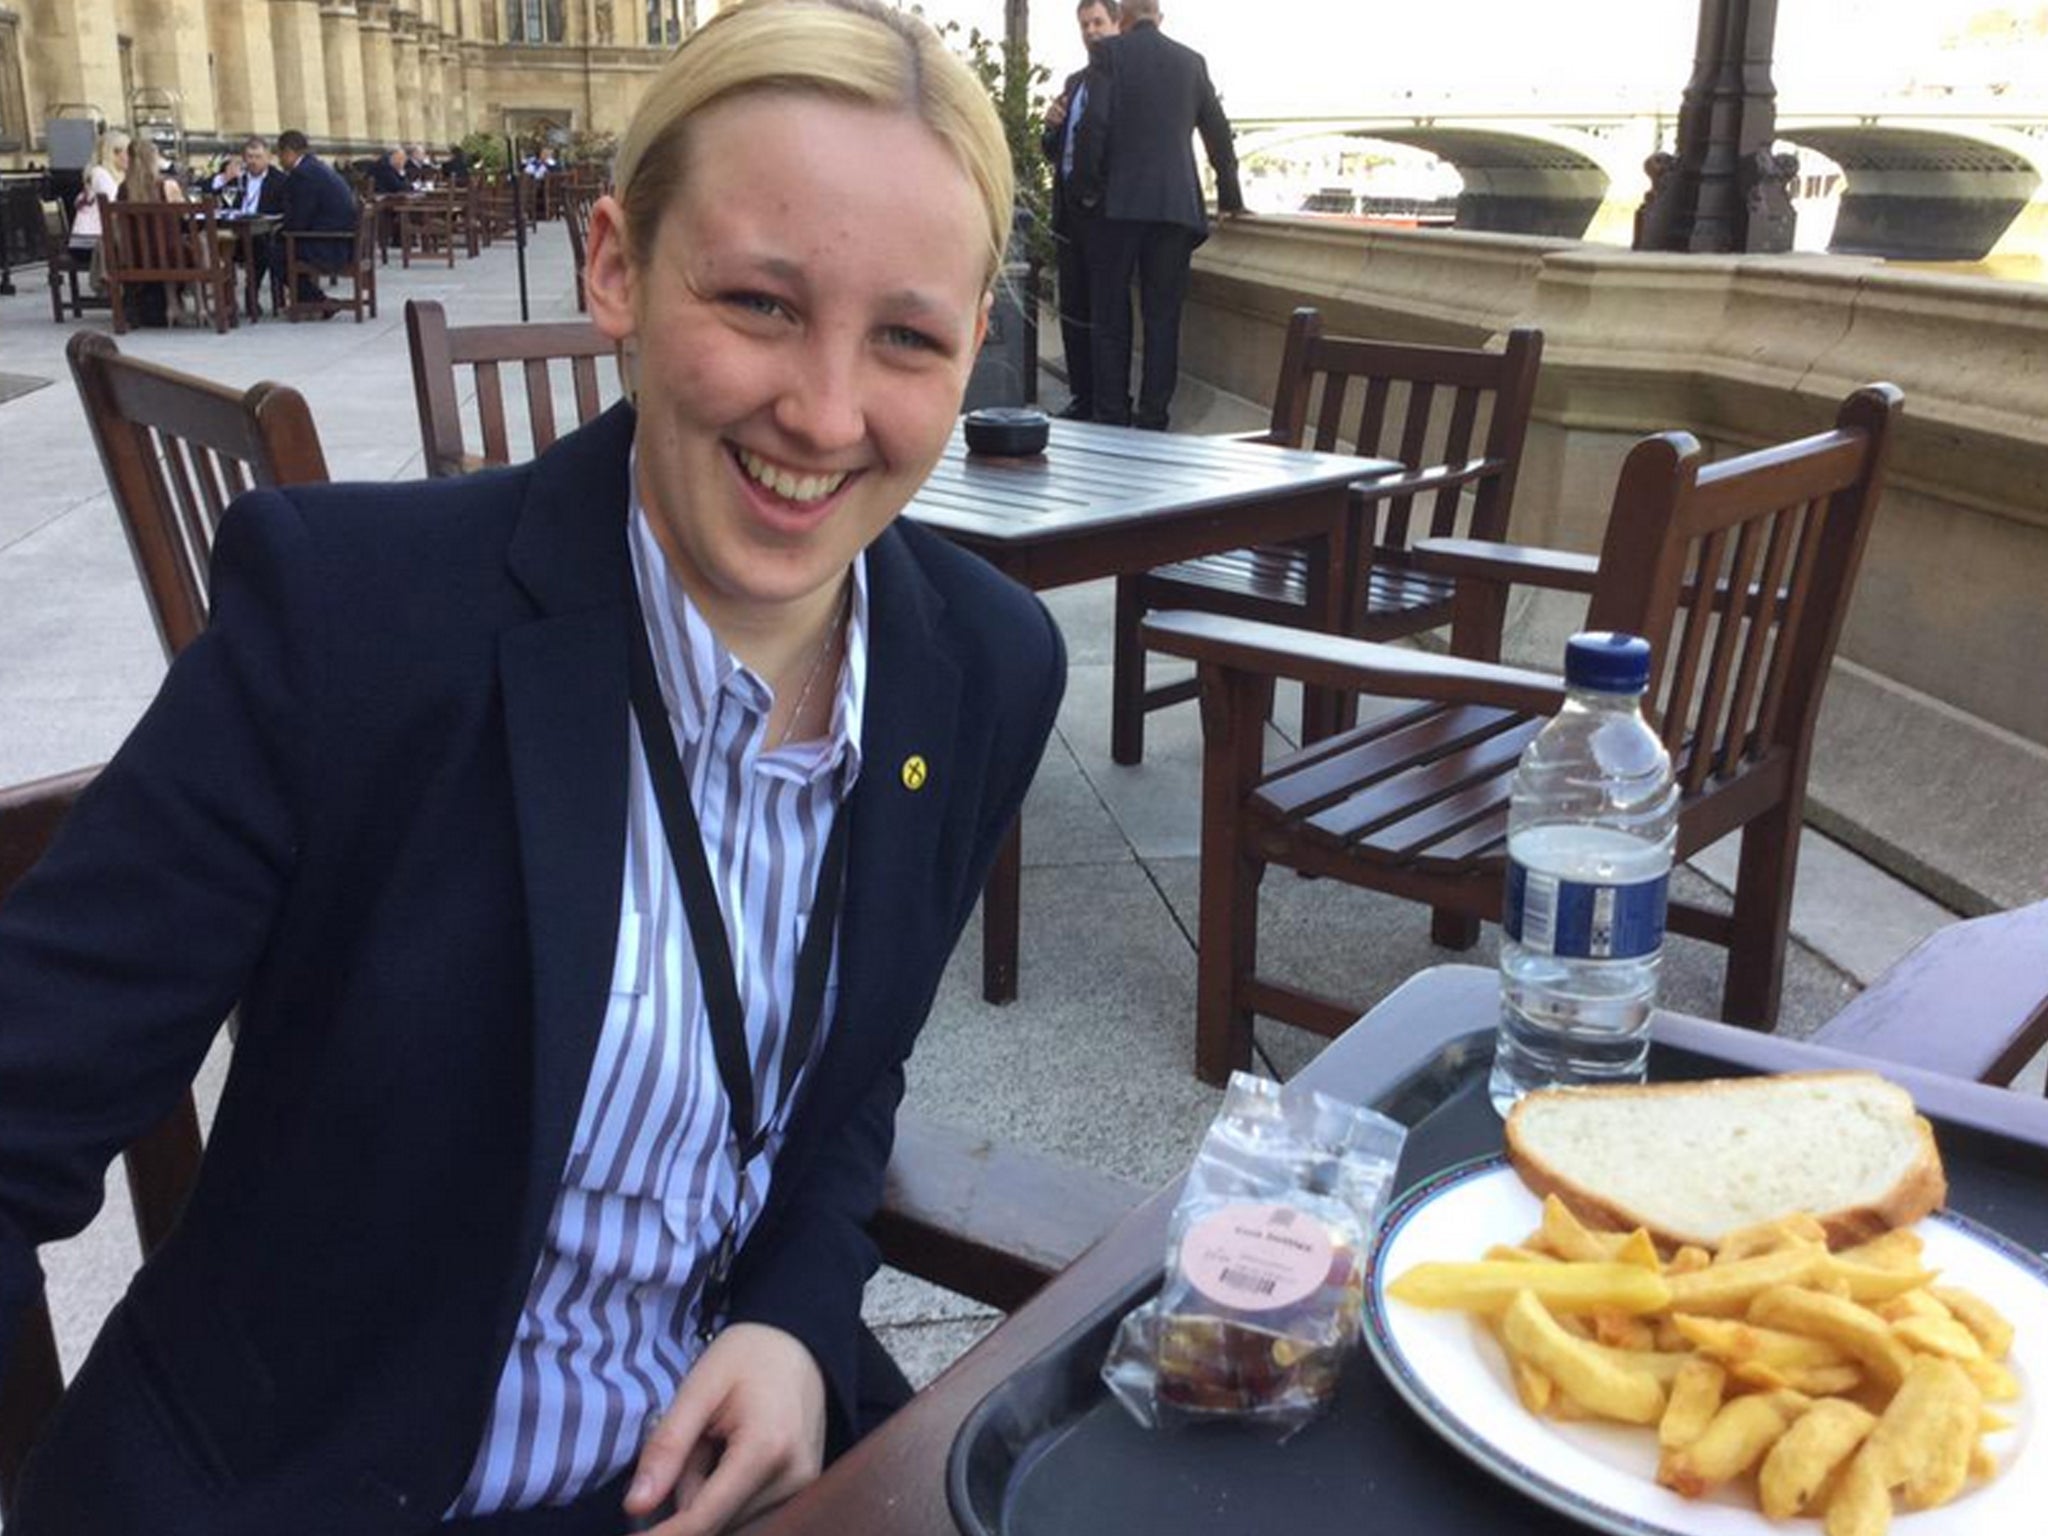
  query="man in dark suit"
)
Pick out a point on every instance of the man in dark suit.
point(388, 176)
point(1070, 221)
point(260, 191)
point(385, 800)
point(317, 201)
point(1135, 164)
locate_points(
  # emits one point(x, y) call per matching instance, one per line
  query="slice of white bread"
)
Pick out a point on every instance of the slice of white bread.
point(1694, 1162)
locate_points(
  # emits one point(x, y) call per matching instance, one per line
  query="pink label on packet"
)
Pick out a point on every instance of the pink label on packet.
point(1255, 1258)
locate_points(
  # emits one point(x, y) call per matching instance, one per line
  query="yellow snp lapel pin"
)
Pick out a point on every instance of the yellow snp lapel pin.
point(915, 771)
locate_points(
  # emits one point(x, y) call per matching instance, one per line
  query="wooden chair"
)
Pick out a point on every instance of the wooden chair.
point(358, 268)
point(161, 1166)
point(428, 222)
point(177, 450)
point(576, 219)
point(67, 272)
point(1738, 573)
point(168, 243)
point(1421, 405)
point(438, 349)
point(989, 1222)
point(1971, 1000)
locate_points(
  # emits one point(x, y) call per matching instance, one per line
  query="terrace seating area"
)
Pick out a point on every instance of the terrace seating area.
point(1092, 1065)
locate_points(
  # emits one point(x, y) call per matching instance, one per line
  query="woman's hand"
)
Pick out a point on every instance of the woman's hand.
point(746, 1430)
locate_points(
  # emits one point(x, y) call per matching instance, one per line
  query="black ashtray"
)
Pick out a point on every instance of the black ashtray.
point(1006, 431)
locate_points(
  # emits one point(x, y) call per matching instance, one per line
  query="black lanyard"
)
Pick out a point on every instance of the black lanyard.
point(713, 946)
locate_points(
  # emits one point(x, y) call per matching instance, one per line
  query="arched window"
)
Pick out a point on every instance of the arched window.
point(534, 21)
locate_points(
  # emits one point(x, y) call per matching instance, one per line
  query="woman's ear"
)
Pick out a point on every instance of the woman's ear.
point(608, 270)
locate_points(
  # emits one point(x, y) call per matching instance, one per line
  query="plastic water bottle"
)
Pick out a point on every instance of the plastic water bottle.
point(1592, 820)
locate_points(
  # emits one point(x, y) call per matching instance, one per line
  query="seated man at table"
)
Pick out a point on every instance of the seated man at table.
point(316, 201)
point(388, 176)
point(260, 194)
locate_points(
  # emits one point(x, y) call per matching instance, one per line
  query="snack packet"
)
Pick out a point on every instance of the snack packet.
point(1265, 1263)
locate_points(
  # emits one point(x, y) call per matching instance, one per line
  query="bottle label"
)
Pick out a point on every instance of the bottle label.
point(1580, 920)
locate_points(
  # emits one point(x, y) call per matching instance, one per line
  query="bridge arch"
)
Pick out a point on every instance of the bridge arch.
point(1521, 178)
point(1920, 192)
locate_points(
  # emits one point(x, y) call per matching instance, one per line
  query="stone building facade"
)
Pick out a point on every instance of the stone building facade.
point(357, 76)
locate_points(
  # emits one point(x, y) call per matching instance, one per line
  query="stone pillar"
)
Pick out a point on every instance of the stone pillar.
point(341, 52)
point(380, 78)
point(244, 78)
point(171, 44)
point(300, 64)
point(405, 69)
point(433, 120)
point(69, 46)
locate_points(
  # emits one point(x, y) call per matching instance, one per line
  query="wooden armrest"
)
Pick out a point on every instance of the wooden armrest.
point(988, 1220)
point(1969, 1001)
point(1420, 482)
point(1513, 563)
point(1352, 666)
point(29, 815)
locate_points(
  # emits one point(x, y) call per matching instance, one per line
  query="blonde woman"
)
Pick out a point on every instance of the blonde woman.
point(583, 844)
point(102, 179)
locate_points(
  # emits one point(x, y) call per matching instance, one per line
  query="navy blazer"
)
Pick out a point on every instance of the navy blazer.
point(382, 803)
point(1134, 155)
point(316, 198)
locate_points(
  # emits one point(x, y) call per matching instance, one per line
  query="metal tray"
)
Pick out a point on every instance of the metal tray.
point(1049, 1454)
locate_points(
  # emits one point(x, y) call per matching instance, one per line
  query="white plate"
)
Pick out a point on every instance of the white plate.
point(1604, 1475)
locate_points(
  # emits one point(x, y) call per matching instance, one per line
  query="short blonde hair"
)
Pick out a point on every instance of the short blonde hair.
point(112, 142)
point(859, 51)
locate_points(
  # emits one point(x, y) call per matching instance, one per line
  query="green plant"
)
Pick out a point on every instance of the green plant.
point(1016, 86)
point(592, 146)
point(485, 151)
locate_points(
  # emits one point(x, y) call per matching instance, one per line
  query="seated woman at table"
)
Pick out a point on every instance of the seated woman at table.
point(102, 180)
point(583, 844)
point(148, 181)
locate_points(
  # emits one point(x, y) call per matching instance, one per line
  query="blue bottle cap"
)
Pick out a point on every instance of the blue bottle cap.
point(1607, 661)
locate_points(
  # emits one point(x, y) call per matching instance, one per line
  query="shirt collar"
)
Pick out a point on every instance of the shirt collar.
point(694, 667)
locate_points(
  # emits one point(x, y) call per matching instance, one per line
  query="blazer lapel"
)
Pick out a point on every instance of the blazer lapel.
point(566, 722)
point(899, 809)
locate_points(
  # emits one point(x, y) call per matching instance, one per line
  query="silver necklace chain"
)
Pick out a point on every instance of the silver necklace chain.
point(825, 648)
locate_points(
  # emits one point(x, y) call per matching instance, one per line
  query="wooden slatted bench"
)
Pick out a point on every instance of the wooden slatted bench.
point(987, 1219)
point(1969, 1001)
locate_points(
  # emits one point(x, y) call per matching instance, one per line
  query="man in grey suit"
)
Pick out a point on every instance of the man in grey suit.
point(1135, 167)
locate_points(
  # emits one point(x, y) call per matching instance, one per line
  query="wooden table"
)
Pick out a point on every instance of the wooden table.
point(1113, 501)
point(894, 1482)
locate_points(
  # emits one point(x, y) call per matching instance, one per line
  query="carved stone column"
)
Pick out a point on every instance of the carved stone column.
point(433, 118)
point(405, 66)
point(380, 80)
point(69, 46)
point(299, 62)
point(1724, 190)
point(342, 45)
point(245, 83)
point(170, 54)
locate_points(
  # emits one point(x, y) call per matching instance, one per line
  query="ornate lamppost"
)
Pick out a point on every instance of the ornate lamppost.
point(1724, 189)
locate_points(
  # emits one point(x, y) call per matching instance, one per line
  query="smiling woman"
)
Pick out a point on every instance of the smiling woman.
point(557, 831)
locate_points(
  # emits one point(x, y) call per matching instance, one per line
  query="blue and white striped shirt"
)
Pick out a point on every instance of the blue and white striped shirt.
point(608, 1330)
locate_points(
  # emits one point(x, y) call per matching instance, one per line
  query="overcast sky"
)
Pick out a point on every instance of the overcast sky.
point(1277, 56)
